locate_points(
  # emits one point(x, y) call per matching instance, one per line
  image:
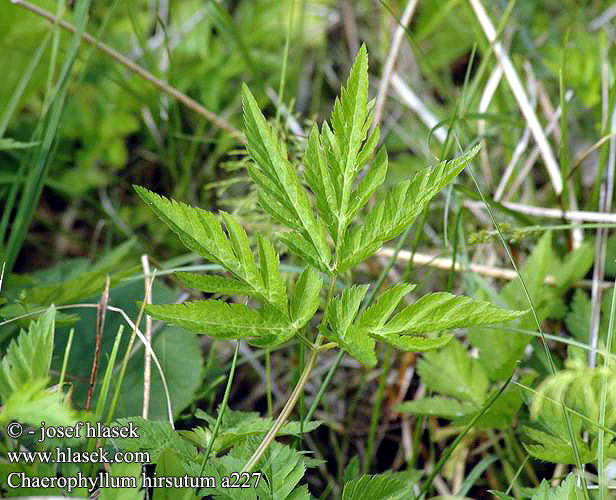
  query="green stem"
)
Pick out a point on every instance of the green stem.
point(299, 387)
point(286, 411)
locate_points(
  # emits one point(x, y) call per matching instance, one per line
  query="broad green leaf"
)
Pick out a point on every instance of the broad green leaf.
point(437, 407)
point(573, 267)
point(182, 359)
point(414, 343)
point(28, 358)
point(360, 345)
point(306, 297)
point(241, 249)
point(215, 284)
point(389, 486)
point(452, 372)
point(442, 311)
point(219, 319)
point(277, 180)
point(398, 209)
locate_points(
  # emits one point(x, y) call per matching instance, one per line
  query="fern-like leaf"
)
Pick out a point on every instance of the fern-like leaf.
point(402, 204)
point(28, 357)
point(443, 311)
point(202, 232)
point(222, 320)
point(280, 192)
point(306, 297)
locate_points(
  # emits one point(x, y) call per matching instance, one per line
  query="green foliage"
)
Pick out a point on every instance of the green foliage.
point(579, 388)
point(282, 468)
point(121, 470)
point(236, 426)
point(333, 159)
point(28, 357)
point(155, 437)
point(499, 350)
point(391, 486)
point(465, 385)
point(567, 490)
point(24, 375)
point(431, 313)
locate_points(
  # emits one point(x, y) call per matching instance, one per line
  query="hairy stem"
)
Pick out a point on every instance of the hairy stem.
point(299, 387)
point(286, 411)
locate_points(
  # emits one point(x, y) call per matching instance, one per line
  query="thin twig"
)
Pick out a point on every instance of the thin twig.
point(446, 263)
point(605, 201)
point(534, 154)
point(416, 104)
point(101, 310)
point(143, 73)
point(553, 213)
point(518, 91)
point(147, 360)
point(388, 69)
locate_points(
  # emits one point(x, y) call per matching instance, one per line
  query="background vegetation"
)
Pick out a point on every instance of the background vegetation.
point(152, 96)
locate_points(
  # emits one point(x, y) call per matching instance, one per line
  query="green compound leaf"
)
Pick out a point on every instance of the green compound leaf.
point(306, 297)
point(412, 328)
point(219, 319)
point(443, 311)
point(402, 204)
point(28, 357)
point(201, 232)
point(280, 191)
point(369, 184)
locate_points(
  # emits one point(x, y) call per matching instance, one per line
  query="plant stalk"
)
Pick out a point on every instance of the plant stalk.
point(286, 411)
point(299, 387)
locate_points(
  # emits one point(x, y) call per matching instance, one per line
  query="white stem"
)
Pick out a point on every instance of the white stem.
point(518, 91)
point(396, 42)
